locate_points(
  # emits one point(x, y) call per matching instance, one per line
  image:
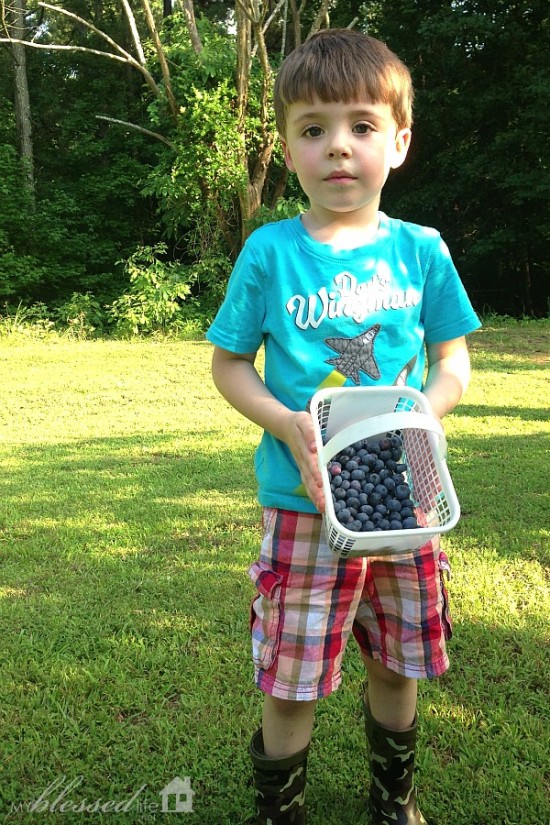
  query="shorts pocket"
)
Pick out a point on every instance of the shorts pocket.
point(266, 614)
point(445, 570)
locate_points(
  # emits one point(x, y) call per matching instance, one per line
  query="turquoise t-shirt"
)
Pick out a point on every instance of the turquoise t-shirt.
point(337, 318)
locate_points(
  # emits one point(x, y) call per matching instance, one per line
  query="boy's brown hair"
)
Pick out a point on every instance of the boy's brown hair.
point(343, 65)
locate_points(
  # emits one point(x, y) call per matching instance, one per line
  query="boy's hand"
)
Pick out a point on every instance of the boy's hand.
point(300, 437)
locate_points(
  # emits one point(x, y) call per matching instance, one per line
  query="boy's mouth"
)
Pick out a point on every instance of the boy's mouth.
point(340, 175)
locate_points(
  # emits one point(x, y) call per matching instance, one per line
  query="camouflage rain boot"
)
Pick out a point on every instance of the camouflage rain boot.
point(392, 799)
point(279, 784)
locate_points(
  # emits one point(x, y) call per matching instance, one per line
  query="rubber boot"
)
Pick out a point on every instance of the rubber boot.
point(392, 799)
point(279, 785)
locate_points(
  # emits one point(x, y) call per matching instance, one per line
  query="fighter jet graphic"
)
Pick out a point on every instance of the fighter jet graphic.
point(355, 354)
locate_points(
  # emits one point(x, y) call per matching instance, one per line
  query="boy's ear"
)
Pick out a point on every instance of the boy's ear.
point(402, 143)
point(288, 158)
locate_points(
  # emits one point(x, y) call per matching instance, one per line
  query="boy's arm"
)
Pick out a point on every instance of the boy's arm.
point(448, 374)
point(237, 379)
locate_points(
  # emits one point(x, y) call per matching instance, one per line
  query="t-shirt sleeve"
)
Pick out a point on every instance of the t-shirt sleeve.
point(238, 325)
point(447, 312)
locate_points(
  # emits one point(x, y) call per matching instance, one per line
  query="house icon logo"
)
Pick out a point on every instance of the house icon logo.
point(177, 796)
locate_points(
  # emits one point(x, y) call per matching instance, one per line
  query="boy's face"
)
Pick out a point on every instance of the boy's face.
point(342, 154)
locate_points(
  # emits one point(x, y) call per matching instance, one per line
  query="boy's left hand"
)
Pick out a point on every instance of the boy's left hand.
point(300, 437)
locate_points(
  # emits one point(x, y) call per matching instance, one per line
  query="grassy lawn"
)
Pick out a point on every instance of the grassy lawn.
point(127, 523)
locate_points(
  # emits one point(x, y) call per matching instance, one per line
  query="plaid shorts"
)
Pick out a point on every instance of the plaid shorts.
point(309, 600)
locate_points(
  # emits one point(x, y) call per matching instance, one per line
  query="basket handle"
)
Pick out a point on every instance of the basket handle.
point(380, 424)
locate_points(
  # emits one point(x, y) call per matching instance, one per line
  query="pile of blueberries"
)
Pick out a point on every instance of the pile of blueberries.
point(369, 488)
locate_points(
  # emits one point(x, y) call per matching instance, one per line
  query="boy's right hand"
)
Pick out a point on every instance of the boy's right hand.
point(300, 437)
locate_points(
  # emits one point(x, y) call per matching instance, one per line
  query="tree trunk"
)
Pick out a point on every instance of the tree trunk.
point(21, 97)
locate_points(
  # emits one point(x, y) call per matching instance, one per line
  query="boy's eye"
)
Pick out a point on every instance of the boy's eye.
point(313, 131)
point(362, 128)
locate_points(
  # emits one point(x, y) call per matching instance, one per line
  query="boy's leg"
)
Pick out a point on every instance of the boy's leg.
point(390, 723)
point(279, 755)
point(286, 726)
point(391, 697)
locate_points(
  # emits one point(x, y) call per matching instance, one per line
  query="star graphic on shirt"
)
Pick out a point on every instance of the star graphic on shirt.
point(355, 354)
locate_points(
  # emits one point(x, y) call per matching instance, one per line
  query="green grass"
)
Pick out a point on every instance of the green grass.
point(127, 523)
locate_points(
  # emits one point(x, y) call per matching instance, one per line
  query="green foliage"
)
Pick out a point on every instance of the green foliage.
point(478, 165)
point(82, 315)
point(28, 322)
point(283, 209)
point(153, 303)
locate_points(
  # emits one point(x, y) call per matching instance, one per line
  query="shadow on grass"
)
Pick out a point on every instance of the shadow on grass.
point(125, 655)
point(123, 612)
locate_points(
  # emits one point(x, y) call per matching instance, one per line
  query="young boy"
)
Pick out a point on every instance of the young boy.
point(342, 295)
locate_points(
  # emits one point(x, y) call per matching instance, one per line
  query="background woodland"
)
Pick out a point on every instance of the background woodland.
point(138, 149)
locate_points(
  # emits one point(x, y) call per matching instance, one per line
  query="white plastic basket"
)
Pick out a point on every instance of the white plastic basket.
point(344, 416)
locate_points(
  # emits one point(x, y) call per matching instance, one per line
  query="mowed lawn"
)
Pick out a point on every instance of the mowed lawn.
point(127, 523)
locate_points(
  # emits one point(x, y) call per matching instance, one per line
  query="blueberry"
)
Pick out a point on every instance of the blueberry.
point(368, 527)
point(366, 509)
point(370, 460)
point(352, 465)
point(354, 502)
point(358, 475)
point(384, 444)
point(374, 479)
point(340, 494)
point(393, 505)
point(355, 526)
point(395, 525)
point(410, 523)
point(406, 512)
point(402, 492)
point(396, 440)
point(339, 505)
point(373, 447)
point(384, 474)
point(374, 499)
point(378, 465)
point(359, 445)
point(343, 516)
point(345, 485)
point(346, 475)
point(382, 509)
point(391, 465)
point(401, 468)
point(384, 524)
point(385, 455)
point(335, 468)
point(407, 502)
point(363, 498)
point(376, 518)
point(355, 485)
point(389, 484)
point(368, 488)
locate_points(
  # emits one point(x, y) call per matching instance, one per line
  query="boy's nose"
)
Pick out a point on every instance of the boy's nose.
point(338, 147)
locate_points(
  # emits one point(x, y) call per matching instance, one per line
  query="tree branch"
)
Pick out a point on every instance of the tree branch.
point(134, 31)
point(147, 132)
point(162, 60)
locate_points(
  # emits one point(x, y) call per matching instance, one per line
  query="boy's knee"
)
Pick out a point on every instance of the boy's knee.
point(289, 707)
point(383, 675)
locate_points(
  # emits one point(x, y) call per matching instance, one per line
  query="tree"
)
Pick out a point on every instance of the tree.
point(478, 165)
point(14, 25)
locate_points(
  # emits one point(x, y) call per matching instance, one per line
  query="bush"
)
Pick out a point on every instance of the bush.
point(154, 301)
